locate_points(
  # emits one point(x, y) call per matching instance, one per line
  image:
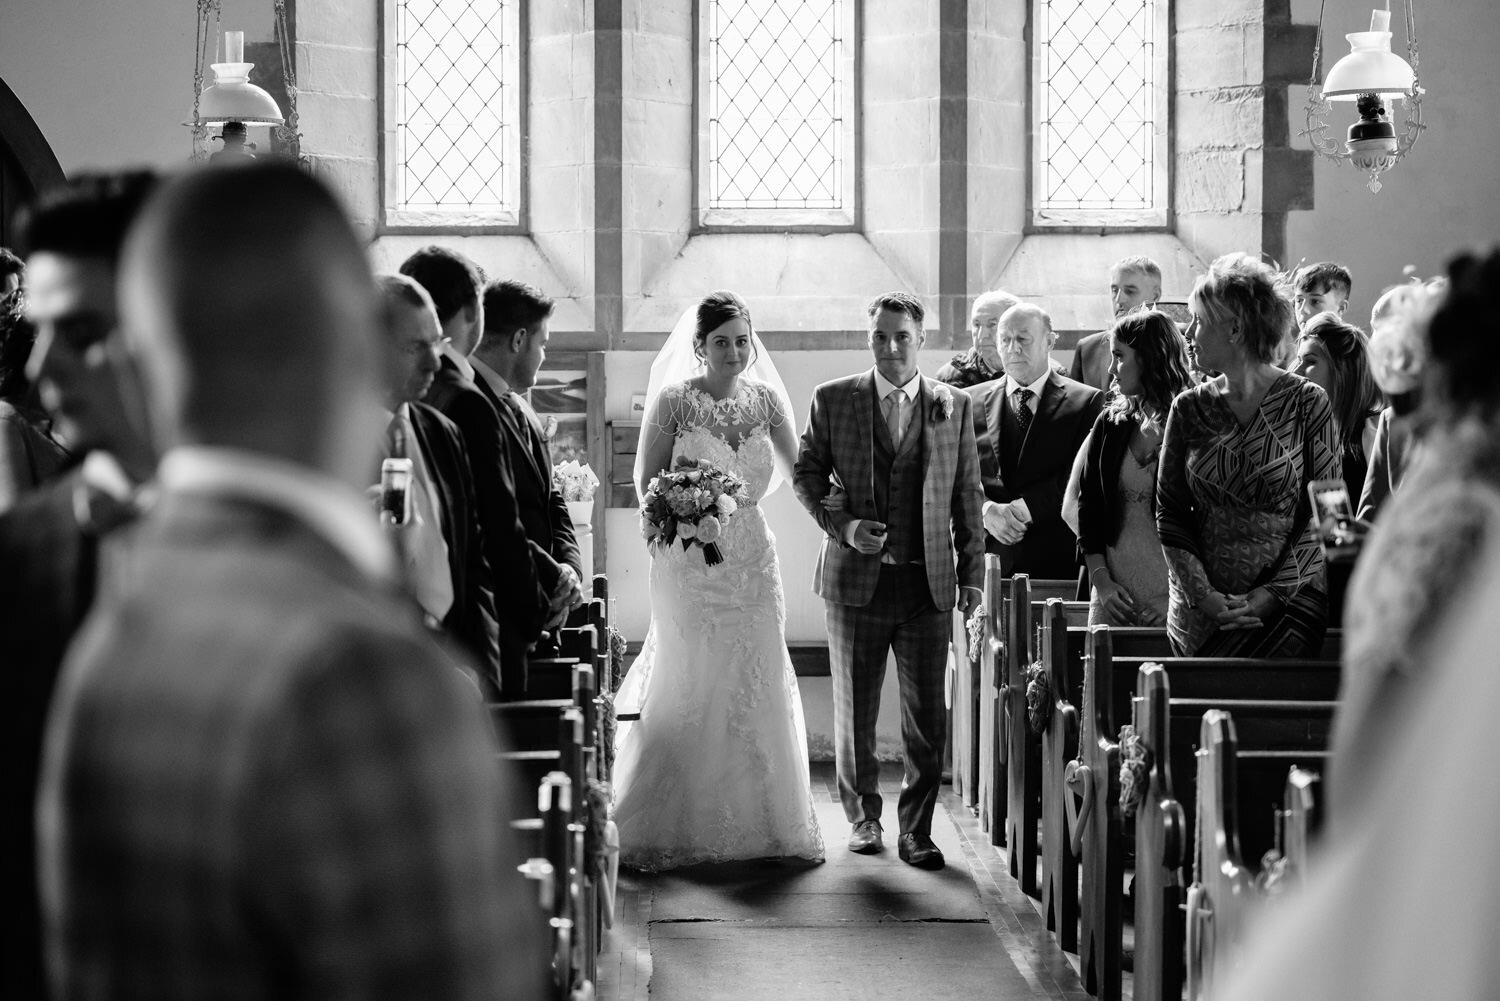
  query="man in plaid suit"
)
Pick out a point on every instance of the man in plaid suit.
point(262, 778)
point(903, 545)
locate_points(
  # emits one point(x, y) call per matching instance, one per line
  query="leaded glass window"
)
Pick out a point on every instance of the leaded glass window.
point(452, 106)
point(1099, 106)
point(776, 102)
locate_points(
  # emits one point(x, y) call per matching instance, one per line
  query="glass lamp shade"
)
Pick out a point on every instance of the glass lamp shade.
point(233, 98)
point(1370, 68)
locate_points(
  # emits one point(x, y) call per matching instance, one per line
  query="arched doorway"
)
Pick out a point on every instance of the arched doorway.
point(27, 162)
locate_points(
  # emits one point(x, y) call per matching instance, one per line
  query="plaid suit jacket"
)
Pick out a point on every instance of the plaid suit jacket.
point(262, 780)
point(838, 445)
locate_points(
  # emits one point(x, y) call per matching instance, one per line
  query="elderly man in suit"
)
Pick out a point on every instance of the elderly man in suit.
point(454, 282)
point(981, 362)
point(1133, 283)
point(50, 541)
point(506, 363)
point(1029, 426)
point(441, 542)
point(902, 547)
point(262, 778)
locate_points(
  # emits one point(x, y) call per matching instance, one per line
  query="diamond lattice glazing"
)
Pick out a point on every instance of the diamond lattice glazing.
point(454, 65)
point(1097, 103)
point(776, 93)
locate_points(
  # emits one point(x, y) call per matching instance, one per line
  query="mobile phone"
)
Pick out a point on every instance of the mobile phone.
point(395, 490)
point(1333, 514)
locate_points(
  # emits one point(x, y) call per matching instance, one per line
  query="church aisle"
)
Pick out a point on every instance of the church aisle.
point(852, 927)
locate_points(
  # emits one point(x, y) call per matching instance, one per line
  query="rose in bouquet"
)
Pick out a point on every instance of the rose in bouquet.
point(691, 503)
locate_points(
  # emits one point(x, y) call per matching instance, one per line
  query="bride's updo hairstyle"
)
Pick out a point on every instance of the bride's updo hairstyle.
point(715, 310)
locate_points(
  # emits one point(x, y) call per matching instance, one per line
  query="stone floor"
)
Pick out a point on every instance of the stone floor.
point(626, 964)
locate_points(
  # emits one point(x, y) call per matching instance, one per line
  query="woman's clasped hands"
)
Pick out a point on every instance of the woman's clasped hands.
point(1240, 611)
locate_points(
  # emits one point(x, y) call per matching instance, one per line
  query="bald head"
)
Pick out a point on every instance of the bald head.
point(249, 300)
point(1026, 339)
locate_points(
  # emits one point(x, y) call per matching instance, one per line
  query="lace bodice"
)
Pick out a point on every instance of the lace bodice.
point(734, 433)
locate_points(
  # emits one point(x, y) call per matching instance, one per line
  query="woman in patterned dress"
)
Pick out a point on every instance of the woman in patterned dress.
point(1116, 485)
point(1244, 563)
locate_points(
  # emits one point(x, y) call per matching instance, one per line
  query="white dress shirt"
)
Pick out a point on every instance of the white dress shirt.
point(423, 544)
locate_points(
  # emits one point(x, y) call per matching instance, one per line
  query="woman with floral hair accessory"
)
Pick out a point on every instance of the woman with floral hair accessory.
point(716, 768)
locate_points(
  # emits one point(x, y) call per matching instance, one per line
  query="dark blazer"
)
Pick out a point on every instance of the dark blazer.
point(1038, 469)
point(50, 565)
point(332, 782)
point(471, 620)
point(1091, 361)
point(1099, 514)
point(544, 513)
point(839, 444)
point(519, 599)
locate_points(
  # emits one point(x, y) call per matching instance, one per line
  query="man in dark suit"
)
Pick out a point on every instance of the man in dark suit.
point(441, 542)
point(904, 549)
point(50, 540)
point(454, 283)
point(1030, 424)
point(1133, 283)
point(263, 779)
point(505, 364)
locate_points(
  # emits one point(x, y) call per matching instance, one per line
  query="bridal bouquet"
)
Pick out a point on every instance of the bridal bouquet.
point(692, 503)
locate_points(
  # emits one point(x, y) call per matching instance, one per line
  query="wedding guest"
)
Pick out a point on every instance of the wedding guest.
point(454, 282)
point(1321, 288)
point(29, 455)
point(981, 363)
point(1421, 555)
point(51, 540)
point(1115, 485)
point(1133, 282)
point(1335, 356)
point(1243, 557)
point(506, 363)
point(1029, 425)
point(1398, 354)
point(263, 779)
point(12, 271)
point(440, 541)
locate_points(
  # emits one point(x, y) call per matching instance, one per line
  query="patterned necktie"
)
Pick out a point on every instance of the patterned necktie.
point(1023, 409)
point(893, 407)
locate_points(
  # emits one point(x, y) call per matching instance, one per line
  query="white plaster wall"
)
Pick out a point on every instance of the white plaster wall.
point(1442, 197)
point(110, 83)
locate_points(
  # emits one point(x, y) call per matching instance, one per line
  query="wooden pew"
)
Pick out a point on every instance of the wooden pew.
point(988, 748)
point(1239, 815)
point(1023, 746)
point(1229, 887)
point(555, 866)
point(1092, 805)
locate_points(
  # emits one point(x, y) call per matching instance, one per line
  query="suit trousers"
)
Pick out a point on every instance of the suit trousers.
point(900, 617)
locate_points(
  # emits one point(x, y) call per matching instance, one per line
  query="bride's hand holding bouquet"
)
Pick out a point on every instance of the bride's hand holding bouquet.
point(691, 503)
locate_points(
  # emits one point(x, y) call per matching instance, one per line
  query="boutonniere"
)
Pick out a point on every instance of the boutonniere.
point(549, 426)
point(942, 404)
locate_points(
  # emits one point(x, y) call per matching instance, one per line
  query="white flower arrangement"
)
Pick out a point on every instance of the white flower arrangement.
point(575, 480)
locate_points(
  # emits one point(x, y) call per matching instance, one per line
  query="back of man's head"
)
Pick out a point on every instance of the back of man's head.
point(449, 277)
point(86, 217)
point(511, 305)
point(250, 300)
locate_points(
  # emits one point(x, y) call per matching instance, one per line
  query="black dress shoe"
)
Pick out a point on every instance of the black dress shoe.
point(866, 837)
point(918, 850)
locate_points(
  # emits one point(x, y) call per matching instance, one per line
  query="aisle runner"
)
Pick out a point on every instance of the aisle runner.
point(854, 927)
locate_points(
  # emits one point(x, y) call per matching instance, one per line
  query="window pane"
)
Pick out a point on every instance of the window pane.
point(776, 92)
point(1098, 106)
point(456, 71)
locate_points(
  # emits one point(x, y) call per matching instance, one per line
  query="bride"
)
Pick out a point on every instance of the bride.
point(716, 767)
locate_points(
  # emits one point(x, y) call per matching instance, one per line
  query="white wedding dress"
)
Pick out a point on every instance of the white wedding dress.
point(716, 767)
